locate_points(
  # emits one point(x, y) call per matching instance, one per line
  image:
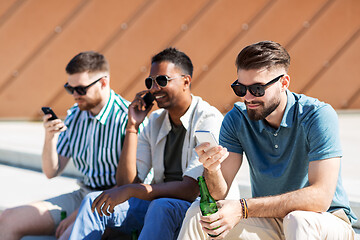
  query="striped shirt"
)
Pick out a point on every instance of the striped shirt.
point(94, 142)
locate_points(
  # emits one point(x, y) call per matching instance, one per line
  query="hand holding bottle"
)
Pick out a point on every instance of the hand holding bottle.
point(219, 224)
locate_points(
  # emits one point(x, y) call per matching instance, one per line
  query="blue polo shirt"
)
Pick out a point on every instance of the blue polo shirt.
point(279, 158)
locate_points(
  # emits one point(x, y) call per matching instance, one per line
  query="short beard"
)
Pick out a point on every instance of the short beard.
point(89, 105)
point(262, 113)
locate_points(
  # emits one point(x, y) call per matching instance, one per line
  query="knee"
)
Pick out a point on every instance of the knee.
point(89, 198)
point(7, 220)
point(161, 205)
point(193, 210)
point(295, 220)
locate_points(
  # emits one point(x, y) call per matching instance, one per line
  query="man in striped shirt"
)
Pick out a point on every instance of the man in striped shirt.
point(167, 145)
point(92, 135)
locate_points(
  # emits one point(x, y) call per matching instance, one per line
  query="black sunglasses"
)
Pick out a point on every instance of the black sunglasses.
point(79, 89)
point(258, 90)
point(161, 80)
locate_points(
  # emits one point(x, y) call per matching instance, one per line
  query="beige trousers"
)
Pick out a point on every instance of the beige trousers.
point(296, 225)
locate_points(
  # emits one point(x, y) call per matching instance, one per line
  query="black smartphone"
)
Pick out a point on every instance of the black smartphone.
point(148, 99)
point(48, 110)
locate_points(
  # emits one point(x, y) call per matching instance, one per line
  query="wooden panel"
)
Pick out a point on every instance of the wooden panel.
point(213, 32)
point(38, 38)
point(282, 14)
point(323, 40)
point(26, 30)
point(5, 5)
point(355, 104)
point(152, 32)
point(337, 85)
point(88, 31)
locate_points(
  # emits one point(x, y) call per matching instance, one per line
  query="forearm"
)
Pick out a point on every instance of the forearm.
point(185, 190)
point(50, 160)
point(126, 172)
point(311, 198)
point(216, 184)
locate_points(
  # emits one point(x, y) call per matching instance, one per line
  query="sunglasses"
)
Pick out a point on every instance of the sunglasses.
point(258, 90)
point(79, 89)
point(161, 81)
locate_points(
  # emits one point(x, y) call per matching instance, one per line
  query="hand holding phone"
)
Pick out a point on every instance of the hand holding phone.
point(206, 136)
point(48, 110)
point(148, 99)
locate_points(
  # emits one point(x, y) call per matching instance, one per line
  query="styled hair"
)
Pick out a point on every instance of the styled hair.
point(265, 54)
point(89, 61)
point(178, 58)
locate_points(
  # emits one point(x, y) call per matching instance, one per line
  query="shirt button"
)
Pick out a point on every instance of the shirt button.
point(275, 134)
point(276, 146)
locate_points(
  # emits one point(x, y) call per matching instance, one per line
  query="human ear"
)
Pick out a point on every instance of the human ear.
point(187, 82)
point(285, 82)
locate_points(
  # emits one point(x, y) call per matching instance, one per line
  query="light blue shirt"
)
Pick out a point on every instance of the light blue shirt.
point(279, 158)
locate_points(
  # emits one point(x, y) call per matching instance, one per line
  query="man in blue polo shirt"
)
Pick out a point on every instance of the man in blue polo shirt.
point(292, 145)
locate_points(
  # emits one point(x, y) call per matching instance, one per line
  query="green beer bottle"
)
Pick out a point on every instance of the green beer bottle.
point(63, 215)
point(207, 202)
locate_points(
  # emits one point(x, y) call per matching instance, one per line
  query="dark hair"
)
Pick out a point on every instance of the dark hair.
point(266, 54)
point(89, 61)
point(178, 58)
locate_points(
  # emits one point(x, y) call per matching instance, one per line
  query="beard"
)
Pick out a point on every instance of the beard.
point(263, 111)
point(87, 105)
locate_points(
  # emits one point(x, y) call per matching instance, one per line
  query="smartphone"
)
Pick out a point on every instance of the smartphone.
point(48, 110)
point(148, 99)
point(206, 136)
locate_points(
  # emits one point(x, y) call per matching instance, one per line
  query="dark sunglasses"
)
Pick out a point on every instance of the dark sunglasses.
point(79, 89)
point(258, 90)
point(161, 80)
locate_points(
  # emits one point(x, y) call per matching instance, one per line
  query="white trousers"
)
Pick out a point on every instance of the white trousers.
point(296, 225)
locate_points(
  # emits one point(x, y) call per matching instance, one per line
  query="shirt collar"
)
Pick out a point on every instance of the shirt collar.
point(104, 112)
point(187, 117)
point(288, 117)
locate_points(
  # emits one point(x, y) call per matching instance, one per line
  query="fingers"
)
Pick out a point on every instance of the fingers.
point(138, 102)
point(214, 228)
point(53, 126)
point(213, 157)
point(102, 205)
point(59, 230)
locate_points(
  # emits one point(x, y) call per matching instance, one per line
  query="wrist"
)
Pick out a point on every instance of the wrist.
point(131, 130)
point(244, 208)
point(132, 127)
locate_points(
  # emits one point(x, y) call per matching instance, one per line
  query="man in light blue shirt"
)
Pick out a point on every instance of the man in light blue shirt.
point(292, 145)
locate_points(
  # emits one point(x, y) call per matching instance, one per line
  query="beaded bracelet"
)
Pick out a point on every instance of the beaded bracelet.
point(244, 207)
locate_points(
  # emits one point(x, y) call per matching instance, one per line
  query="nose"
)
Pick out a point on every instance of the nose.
point(155, 87)
point(248, 96)
point(75, 94)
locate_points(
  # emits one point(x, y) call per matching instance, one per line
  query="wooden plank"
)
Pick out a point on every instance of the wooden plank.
point(27, 29)
point(89, 30)
point(208, 38)
point(280, 22)
point(340, 83)
point(316, 48)
point(151, 33)
point(5, 5)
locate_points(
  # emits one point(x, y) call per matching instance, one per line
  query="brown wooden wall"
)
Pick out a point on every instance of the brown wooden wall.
point(39, 37)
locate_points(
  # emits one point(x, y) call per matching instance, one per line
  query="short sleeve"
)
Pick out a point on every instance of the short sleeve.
point(229, 133)
point(323, 134)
